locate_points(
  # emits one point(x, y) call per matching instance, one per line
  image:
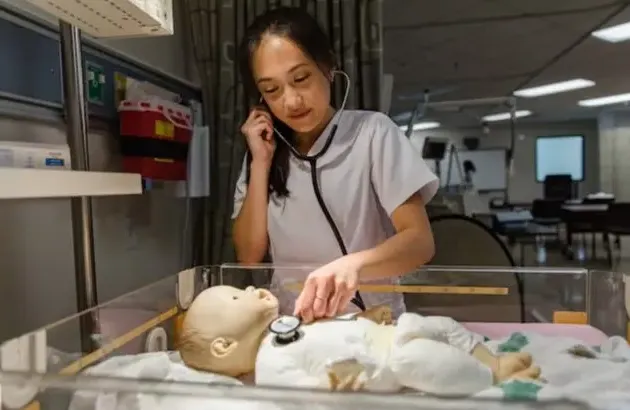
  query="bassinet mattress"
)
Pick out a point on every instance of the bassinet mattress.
point(586, 333)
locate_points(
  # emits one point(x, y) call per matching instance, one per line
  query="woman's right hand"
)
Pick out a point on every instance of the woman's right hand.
point(258, 131)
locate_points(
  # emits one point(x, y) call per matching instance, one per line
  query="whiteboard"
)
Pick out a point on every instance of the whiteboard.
point(490, 164)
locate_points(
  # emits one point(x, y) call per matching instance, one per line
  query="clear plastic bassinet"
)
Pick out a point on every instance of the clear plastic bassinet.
point(56, 368)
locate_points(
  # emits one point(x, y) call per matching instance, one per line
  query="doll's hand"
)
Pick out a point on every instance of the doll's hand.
point(329, 289)
point(347, 375)
point(350, 383)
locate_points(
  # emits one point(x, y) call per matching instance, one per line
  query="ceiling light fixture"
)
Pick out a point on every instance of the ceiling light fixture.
point(608, 100)
point(554, 88)
point(506, 116)
point(421, 126)
point(614, 34)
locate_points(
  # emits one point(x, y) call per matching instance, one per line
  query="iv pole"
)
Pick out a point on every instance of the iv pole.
point(420, 110)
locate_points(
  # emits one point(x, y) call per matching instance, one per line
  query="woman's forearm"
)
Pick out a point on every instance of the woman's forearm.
point(402, 253)
point(250, 228)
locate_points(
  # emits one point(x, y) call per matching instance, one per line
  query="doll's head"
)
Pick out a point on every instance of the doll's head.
point(224, 327)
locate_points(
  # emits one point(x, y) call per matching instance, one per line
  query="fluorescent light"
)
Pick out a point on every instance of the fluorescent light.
point(420, 126)
point(609, 100)
point(506, 116)
point(614, 34)
point(554, 88)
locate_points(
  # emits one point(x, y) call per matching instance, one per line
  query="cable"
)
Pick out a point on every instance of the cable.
point(312, 160)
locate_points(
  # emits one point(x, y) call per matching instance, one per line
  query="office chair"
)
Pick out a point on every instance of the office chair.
point(464, 241)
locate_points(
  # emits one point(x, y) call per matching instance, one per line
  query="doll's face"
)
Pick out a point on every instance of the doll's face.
point(224, 326)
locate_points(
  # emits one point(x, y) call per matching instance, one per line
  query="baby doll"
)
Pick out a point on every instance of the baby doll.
point(225, 331)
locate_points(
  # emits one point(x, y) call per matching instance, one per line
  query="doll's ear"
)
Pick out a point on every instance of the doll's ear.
point(222, 347)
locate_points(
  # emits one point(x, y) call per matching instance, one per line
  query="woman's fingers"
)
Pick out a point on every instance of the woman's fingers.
point(313, 302)
point(325, 287)
point(339, 294)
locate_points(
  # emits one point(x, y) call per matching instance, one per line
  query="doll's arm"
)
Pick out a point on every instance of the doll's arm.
point(284, 370)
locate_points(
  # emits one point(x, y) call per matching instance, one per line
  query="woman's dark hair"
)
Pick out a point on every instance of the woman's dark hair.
point(303, 29)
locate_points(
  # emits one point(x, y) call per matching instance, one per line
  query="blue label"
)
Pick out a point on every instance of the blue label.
point(54, 162)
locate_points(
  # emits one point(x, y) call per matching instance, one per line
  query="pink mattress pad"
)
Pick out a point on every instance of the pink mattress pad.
point(586, 333)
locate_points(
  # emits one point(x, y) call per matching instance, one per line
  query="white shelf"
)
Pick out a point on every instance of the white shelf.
point(113, 18)
point(19, 183)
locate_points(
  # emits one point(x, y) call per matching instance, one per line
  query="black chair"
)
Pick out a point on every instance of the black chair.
point(464, 241)
point(559, 187)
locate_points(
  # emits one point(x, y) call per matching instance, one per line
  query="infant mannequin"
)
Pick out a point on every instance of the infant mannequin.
point(225, 331)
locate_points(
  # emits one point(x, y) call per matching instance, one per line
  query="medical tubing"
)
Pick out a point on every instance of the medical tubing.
point(357, 300)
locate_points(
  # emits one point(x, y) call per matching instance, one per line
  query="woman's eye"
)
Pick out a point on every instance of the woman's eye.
point(270, 90)
point(300, 79)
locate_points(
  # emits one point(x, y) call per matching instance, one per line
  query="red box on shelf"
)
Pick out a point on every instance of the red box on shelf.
point(156, 168)
point(155, 118)
point(155, 136)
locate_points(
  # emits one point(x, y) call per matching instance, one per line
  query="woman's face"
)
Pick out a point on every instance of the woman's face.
point(293, 86)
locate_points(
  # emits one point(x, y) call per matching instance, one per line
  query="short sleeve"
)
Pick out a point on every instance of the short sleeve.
point(240, 190)
point(398, 169)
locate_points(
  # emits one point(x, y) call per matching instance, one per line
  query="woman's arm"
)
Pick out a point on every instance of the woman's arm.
point(403, 184)
point(249, 232)
point(410, 248)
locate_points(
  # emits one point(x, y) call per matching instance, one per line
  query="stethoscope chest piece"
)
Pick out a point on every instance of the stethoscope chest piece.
point(286, 330)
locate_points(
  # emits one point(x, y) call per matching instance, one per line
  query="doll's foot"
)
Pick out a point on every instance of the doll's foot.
point(531, 373)
point(510, 364)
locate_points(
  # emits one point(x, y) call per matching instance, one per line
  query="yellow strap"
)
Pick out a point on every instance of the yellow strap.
point(441, 290)
point(118, 342)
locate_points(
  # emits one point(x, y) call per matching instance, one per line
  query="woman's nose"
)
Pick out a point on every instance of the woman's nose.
point(292, 99)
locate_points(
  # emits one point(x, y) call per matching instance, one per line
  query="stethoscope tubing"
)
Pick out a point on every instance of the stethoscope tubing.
point(312, 160)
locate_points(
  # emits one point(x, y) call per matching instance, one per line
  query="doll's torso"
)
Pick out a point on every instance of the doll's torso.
point(329, 341)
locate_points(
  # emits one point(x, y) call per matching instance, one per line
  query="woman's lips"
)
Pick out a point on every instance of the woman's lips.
point(300, 115)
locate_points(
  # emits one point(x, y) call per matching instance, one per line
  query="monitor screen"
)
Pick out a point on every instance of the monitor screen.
point(433, 149)
point(560, 155)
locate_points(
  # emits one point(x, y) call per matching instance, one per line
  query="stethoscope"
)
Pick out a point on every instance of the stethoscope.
point(312, 160)
point(286, 329)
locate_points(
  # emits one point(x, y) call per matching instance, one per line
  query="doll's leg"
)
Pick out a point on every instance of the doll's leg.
point(444, 329)
point(450, 331)
point(438, 368)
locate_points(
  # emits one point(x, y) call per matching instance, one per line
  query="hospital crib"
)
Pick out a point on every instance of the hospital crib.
point(49, 369)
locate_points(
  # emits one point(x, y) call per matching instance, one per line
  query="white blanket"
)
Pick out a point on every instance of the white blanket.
point(162, 366)
point(603, 380)
point(599, 375)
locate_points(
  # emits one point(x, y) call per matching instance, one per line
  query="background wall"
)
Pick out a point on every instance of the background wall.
point(522, 183)
point(137, 238)
point(614, 151)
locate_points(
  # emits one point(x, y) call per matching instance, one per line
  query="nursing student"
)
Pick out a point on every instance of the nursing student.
point(369, 223)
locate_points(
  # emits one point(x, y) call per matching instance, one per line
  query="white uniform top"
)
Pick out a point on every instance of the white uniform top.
point(369, 170)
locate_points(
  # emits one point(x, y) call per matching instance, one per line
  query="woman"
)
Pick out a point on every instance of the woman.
point(372, 180)
point(469, 172)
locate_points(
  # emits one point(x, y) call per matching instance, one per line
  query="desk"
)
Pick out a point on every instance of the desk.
point(585, 218)
point(582, 208)
point(526, 233)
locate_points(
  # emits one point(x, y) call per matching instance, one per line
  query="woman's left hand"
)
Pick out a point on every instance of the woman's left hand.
point(328, 290)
